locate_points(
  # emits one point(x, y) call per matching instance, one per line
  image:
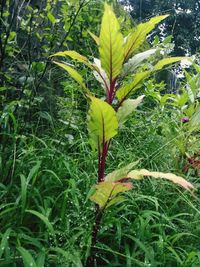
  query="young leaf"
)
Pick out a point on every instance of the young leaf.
point(111, 44)
point(120, 173)
point(138, 174)
point(138, 35)
point(135, 61)
point(127, 107)
point(102, 122)
point(107, 191)
point(74, 74)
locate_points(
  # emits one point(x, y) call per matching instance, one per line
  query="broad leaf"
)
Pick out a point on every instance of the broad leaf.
point(166, 61)
point(102, 122)
point(106, 192)
point(138, 174)
point(120, 173)
point(111, 44)
point(74, 74)
point(135, 61)
point(125, 90)
point(135, 39)
point(127, 107)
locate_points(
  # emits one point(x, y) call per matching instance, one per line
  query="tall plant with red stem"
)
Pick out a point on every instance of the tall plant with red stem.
point(118, 59)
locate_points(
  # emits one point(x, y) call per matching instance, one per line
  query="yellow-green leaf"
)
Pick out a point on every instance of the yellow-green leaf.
point(120, 173)
point(72, 54)
point(166, 61)
point(111, 44)
point(106, 192)
point(94, 37)
point(127, 107)
point(125, 90)
point(138, 174)
point(74, 74)
point(102, 122)
point(136, 38)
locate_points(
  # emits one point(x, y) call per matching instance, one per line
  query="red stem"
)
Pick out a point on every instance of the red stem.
point(102, 154)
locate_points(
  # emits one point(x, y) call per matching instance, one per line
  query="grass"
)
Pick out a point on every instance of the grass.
point(46, 217)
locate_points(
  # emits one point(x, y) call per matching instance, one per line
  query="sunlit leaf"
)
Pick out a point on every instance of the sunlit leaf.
point(139, 174)
point(72, 54)
point(166, 61)
point(127, 107)
point(120, 173)
point(136, 38)
point(102, 122)
point(111, 44)
point(124, 91)
point(94, 37)
point(107, 191)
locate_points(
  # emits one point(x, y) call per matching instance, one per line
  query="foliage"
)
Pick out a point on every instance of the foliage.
point(114, 50)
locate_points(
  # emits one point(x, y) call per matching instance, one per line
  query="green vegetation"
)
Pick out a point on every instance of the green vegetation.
point(48, 164)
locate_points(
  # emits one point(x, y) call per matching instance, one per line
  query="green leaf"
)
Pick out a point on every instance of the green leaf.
point(106, 192)
point(195, 120)
point(120, 173)
point(102, 122)
point(42, 218)
point(74, 74)
point(111, 44)
point(51, 17)
point(23, 192)
point(127, 107)
point(138, 174)
point(4, 241)
point(27, 257)
point(136, 38)
point(125, 90)
point(166, 61)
